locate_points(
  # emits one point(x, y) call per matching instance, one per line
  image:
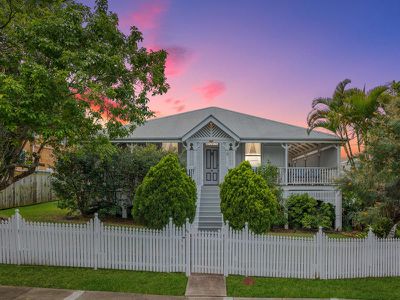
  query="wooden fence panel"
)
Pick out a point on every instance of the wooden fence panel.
point(35, 188)
point(186, 249)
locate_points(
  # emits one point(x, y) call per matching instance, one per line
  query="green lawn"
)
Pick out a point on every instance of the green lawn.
point(49, 212)
point(366, 288)
point(94, 280)
point(43, 212)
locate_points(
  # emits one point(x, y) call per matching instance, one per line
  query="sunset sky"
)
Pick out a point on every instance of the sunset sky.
point(266, 58)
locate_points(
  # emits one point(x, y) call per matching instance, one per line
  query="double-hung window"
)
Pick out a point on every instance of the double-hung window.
point(253, 154)
point(170, 147)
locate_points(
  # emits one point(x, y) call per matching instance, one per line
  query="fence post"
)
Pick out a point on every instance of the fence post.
point(225, 239)
point(246, 248)
point(17, 219)
point(320, 239)
point(170, 245)
point(371, 240)
point(187, 248)
point(96, 240)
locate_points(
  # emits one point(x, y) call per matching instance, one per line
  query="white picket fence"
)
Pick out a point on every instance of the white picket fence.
point(185, 249)
point(92, 245)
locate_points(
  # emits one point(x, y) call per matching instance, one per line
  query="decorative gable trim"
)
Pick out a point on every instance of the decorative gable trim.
point(210, 129)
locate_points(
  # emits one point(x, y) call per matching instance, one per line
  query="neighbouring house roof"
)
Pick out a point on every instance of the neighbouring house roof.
point(243, 126)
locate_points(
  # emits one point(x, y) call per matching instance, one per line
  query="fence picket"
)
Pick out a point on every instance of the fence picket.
point(187, 249)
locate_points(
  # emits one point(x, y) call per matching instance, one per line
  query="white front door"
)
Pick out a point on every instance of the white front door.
point(211, 165)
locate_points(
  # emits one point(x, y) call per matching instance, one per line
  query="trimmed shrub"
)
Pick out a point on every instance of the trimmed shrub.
point(245, 197)
point(306, 212)
point(166, 191)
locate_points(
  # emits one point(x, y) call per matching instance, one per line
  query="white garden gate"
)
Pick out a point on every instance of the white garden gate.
point(207, 252)
point(185, 249)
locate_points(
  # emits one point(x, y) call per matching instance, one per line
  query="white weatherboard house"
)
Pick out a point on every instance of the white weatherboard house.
point(216, 140)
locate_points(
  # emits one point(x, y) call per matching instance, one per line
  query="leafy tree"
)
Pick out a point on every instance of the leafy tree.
point(79, 177)
point(126, 168)
point(376, 178)
point(349, 113)
point(91, 177)
point(66, 72)
point(270, 173)
point(165, 192)
point(246, 197)
point(352, 204)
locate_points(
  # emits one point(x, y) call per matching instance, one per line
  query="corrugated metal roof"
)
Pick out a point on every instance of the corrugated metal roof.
point(245, 126)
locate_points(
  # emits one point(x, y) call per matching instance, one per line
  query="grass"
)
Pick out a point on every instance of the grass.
point(42, 212)
point(363, 288)
point(94, 280)
point(49, 212)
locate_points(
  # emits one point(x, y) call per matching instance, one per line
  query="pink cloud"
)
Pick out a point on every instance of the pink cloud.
point(177, 104)
point(177, 60)
point(146, 17)
point(211, 89)
point(180, 108)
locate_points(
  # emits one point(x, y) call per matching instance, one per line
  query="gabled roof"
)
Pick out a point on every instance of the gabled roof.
point(244, 126)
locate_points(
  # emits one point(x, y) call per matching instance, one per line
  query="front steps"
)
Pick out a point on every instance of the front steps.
point(210, 217)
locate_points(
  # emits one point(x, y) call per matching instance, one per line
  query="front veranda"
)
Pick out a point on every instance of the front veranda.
point(304, 167)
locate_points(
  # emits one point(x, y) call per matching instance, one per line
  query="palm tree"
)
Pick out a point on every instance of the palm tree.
point(331, 114)
point(365, 108)
point(349, 113)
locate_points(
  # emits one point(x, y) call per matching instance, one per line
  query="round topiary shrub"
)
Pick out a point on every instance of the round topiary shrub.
point(166, 191)
point(245, 197)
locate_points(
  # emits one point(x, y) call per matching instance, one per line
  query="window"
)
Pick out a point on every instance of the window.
point(253, 154)
point(170, 147)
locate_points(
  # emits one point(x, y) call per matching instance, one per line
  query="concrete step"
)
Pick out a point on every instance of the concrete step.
point(210, 209)
point(210, 204)
point(209, 216)
point(210, 226)
point(210, 220)
point(209, 201)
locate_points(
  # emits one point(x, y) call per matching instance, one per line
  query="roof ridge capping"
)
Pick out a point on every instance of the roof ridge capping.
point(270, 120)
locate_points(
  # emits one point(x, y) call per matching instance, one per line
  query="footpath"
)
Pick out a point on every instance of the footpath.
point(199, 287)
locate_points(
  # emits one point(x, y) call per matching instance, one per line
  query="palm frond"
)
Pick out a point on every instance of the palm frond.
point(321, 100)
point(340, 89)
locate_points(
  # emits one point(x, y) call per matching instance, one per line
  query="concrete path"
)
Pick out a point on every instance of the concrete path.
point(214, 285)
point(27, 293)
point(203, 285)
